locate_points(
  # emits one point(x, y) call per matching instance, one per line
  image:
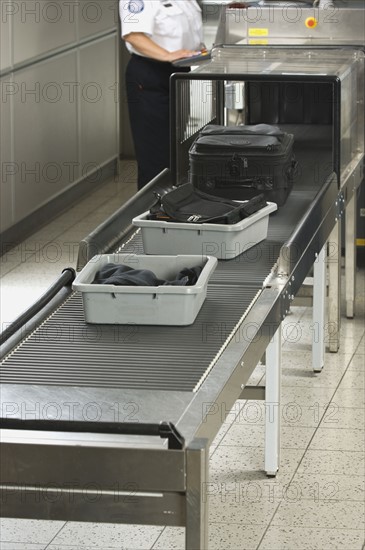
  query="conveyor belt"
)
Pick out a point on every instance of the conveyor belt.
point(256, 262)
point(65, 351)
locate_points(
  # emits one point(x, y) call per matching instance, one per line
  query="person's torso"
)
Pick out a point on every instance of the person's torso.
point(172, 24)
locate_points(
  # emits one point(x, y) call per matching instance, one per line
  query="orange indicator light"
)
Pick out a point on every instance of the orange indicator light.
point(311, 22)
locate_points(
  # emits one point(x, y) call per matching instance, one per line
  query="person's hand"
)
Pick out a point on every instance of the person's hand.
point(180, 54)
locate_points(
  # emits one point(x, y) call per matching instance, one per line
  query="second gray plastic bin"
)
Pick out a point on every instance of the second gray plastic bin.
point(220, 240)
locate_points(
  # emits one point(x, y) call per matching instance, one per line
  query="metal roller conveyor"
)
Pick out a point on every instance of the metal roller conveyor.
point(131, 410)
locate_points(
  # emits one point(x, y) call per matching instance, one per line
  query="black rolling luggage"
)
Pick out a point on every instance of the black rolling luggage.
point(238, 162)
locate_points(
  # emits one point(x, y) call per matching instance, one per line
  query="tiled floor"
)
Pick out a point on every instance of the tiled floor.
point(316, 502)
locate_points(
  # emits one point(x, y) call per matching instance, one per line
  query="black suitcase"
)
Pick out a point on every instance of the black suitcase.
point(238, 162)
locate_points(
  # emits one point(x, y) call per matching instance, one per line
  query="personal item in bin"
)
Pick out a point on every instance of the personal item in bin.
point(114, 274)
point(186, 204)
point(238, 162)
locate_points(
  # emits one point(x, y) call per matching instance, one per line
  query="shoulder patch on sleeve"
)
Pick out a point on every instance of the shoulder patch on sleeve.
point(135, 6)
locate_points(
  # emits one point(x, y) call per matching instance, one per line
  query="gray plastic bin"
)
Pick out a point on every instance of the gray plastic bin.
point(220, 240)
point(144, 305)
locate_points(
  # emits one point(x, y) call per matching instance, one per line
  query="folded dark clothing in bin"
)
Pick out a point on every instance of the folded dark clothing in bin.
point(114, 274)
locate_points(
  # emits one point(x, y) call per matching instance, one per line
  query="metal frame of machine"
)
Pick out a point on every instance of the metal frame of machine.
point(326, 22)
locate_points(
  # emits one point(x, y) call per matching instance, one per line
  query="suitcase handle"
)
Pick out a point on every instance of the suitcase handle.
point(251, 185)
point(260, 183)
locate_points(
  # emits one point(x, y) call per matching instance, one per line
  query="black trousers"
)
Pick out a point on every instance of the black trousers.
point(147, 83)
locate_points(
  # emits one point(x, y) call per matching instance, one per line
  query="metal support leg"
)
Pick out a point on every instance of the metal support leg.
point(319, 297)
point(334, 287)
point(350, 255)
point(196, 534)
point(272, 404)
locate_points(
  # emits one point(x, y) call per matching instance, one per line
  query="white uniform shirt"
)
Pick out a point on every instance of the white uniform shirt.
point(172, 24)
